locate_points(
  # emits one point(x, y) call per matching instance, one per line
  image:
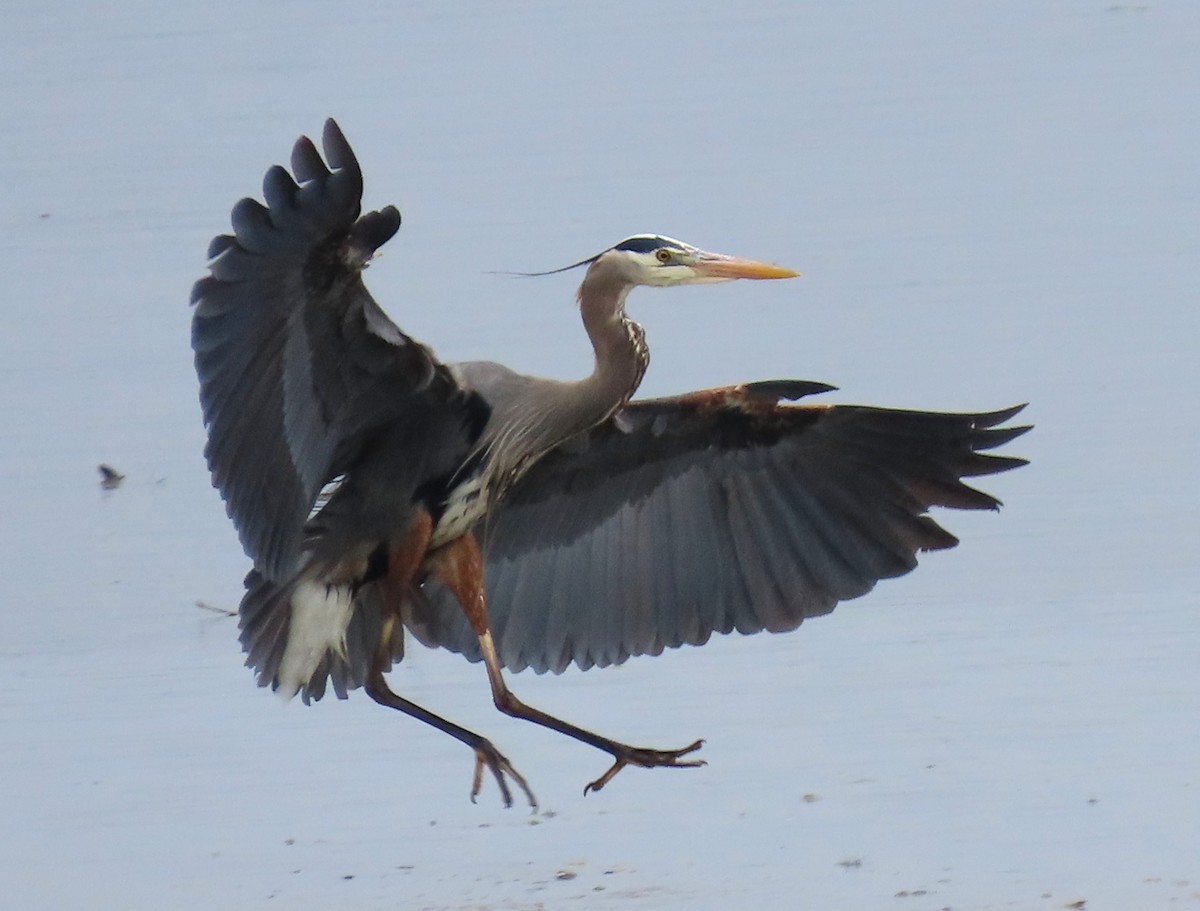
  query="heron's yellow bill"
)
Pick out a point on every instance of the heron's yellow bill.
point(716, 266)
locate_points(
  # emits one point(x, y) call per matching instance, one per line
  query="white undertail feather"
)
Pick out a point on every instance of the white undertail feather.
point(320, 615)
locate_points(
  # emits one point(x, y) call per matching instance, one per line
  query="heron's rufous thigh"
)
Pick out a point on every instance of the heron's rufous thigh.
point(406, 553)
point(460, 565)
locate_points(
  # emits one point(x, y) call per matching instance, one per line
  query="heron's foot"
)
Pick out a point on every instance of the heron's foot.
point(647, 759)
point(487, 756)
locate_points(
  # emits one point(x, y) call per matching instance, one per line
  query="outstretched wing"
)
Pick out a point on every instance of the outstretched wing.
point(712, 512)
point(298, 365)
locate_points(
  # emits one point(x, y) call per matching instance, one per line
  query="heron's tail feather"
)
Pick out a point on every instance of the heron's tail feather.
point(299, 636)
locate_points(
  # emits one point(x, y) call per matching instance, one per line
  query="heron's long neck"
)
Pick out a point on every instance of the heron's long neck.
point(524, 427)
point(619, 342)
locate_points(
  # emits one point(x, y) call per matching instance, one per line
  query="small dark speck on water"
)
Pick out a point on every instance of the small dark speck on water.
point(110, 478)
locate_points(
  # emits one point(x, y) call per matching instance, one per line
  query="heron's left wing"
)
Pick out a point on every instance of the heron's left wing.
point(712, 512)
point(300, 369)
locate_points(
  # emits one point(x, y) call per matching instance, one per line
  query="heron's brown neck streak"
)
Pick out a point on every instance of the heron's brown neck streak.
point(619, 343)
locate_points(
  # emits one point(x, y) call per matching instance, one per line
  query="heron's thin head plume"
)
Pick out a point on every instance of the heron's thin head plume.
point(582, 262)
point(639, 243)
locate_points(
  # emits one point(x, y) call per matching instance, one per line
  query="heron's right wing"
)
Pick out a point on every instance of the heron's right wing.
point(297, 363)
point(711, 512)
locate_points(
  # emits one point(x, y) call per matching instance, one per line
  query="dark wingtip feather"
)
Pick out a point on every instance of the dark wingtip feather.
point(199, 289)
point(306, 161)
point(375, 229)
point(337, 150)
point(992, 418)
point(789, 389)
point(994, 464)
point(253, 228)
point(220, 244)
point(995, 437)
point(934, 537)
point(953, 494)
point(279, 189)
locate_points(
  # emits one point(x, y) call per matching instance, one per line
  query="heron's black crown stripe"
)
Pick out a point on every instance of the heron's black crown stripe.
point(646, 243)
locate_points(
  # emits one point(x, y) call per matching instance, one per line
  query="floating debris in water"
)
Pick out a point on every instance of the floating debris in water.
point(110, 478)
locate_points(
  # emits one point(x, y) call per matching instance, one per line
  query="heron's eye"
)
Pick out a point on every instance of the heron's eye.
point(663, 256)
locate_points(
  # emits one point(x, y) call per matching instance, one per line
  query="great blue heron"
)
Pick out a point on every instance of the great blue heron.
point(375, 487)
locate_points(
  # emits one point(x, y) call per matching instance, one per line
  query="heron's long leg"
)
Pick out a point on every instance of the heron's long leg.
point(486, 754)
point(460, 566)
point(404, 560)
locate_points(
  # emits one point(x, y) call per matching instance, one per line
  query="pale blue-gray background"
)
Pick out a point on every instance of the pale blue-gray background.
point(992, 202)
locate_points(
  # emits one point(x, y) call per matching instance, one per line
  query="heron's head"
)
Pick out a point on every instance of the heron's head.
point(651, 259)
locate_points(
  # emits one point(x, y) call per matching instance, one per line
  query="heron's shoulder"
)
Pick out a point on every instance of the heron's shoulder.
point(496, 383)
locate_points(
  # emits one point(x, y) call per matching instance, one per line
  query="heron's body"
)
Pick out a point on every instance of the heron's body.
point(532, 415)
point(522, 521)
